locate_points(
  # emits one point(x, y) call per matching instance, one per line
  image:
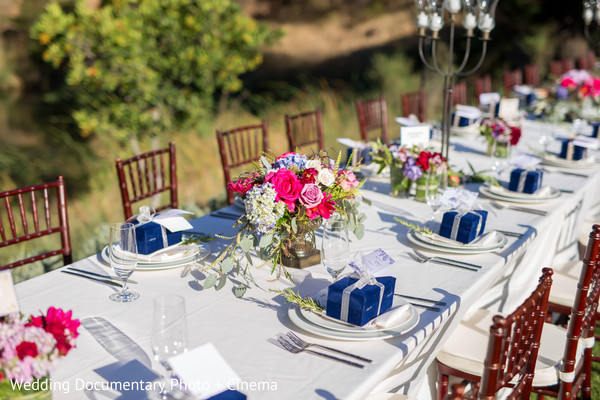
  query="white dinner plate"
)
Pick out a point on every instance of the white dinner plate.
point(187, 257)
point(554, 193)
point(499, 239)
point(333, 324)
point(501, 242)
point(553, 160)
point(300, 321)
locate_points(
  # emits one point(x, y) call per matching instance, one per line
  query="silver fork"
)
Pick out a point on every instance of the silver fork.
point(421, 258)
point(301, 343)
point(521, 209)
point(292, 348)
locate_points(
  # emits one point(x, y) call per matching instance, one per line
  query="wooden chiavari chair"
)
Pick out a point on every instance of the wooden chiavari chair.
point(305, 129)
point(483, 85)
point(147, 175)
point(414, 103)
point(512, 78)
point(459, 93)
point(33, 212)
point(372, 116)
point(532, 75)
point(241, 146)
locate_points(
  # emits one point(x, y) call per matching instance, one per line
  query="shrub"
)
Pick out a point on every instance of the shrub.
point(149, 67)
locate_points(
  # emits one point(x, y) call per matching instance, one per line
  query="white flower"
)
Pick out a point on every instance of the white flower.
point(326, 177)
point(316, 164)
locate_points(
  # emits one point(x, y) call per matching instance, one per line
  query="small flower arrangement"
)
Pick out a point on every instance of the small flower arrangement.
point(578, 82)
point(283, 195)
point(407, 165)
point(496, 129)
point(30, 347)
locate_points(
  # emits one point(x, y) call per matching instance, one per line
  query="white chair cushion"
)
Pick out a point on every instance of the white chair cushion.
point(466, 348)
point(563, 290)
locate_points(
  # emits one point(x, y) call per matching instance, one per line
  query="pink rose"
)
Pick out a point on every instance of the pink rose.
point(287, 185)
point(568, 83)
point(311, 195)
point(349, 180)
point(284, 155)
point(325, 209)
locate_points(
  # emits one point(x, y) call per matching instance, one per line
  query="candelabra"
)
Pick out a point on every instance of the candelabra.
point(430, 20)
point(591, 12)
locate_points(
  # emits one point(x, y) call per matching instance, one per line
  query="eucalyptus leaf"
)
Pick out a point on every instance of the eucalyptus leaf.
point(294, 225)
point(359, 232)
point(361, 217)
point(240, 290)
point(265, 241)
point(227, 265)
point(265, 162)
point(246, 243)
point(221, 283)
point(367, 201)
point(210, 281)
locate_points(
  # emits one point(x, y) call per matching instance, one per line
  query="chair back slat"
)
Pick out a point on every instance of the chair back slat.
point(414, 103)
point(556, 68)
point(305, 129)
point(532, 75)
point(372, 116)
point(28, 214)
point(241, 146)
point(143, 176)
point(568, 64)
point(511, 79)
point(459, 93)
point(513, 345)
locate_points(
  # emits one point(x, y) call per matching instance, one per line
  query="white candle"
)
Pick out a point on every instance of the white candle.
point(453, 6)
point(486, 23)
point(422, 20)
point(436, 22)
point(588, 15)
point(470, 22)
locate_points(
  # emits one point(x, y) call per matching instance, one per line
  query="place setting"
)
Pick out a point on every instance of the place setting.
point(574, 153)
point(461, 229)
point(360, 306)
point(524, 185)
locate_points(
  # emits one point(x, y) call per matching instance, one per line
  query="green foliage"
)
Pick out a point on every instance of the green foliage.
point(413, 227)
point(308, 303)
point(149, 67)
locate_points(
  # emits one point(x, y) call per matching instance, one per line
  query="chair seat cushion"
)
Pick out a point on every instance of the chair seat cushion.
point(564, 288)
point(466, 348)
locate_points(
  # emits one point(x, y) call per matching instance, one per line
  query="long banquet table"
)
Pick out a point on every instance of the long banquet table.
point(243, 329)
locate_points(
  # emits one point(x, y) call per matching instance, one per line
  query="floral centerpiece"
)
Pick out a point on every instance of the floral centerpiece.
point(286, 199)
point(500, 136)
point(30, 348)
point(576, 95)
point(411, 170)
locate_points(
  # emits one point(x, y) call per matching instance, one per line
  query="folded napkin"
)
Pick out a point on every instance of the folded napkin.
point(482, 241)
point(499, 190)
point(390, 318)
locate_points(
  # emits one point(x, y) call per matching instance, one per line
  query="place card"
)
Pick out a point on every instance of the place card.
point(486, 99)
point(373, 262)
point(454, 198)
point(204, 371)
point(173, 221)
point(415, 135)
point(8, 296)
point(509, 109)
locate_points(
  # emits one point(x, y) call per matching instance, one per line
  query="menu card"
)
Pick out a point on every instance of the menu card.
point(415, 135)
point(8, 296)
point(509, 109)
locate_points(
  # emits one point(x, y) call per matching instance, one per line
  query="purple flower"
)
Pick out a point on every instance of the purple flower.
point(562, 93)
point(411, 170)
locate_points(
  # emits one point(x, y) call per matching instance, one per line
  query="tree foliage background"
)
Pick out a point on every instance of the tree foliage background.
point(151, 67)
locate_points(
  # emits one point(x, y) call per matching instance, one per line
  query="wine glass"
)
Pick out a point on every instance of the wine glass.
point(123, 257)
point(335, 245)
point(433, 194)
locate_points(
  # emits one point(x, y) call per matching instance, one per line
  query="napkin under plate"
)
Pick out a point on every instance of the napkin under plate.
point(487, 239)
point(544, 192)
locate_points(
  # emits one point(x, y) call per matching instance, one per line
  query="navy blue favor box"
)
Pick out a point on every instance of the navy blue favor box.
point(229, 395)
point(575, 154)
point(525, 181)
point(595, 126)
point(364, 304)
point(149, 237)
point(470, 226)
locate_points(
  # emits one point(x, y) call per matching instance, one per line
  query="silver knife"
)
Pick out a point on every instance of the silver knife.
point(458, 262)
point(106, 281)
point(98, 275)
point(439, 261)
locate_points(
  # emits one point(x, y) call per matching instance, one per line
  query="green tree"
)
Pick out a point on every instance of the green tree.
point(146, 67)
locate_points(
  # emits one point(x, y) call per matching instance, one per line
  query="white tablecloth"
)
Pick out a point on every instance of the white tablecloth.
point(243, 329)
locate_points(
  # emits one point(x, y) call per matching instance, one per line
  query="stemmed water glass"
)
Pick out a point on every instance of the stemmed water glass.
point(335, 245)
point(123, 257)
point(433, 193)
point(169, 330)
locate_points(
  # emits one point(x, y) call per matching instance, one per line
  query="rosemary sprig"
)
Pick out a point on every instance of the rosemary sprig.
point(308, 303)
point(414, 227)
point(197, 238)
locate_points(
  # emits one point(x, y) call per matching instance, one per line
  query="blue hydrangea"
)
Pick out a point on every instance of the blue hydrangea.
point(292, 159)
point(262, 210)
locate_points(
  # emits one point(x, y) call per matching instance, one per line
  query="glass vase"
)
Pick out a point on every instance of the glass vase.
point(431, 180)
point(498, 149)
point(399, 184)
point(301, 249)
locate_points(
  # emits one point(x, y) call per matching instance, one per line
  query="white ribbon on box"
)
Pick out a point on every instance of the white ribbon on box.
point(456, 222)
